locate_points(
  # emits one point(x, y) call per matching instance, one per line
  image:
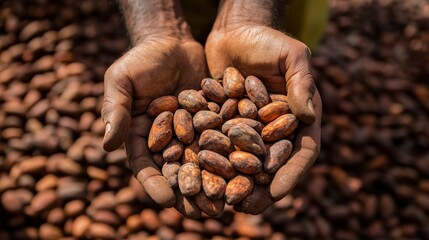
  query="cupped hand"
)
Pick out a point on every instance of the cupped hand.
point(156, 67)
point(283, 64)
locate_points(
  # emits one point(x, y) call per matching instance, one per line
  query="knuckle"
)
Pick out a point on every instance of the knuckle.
point(302, 50)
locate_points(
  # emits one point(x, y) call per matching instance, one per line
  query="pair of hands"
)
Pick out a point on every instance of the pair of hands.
point(164, 66)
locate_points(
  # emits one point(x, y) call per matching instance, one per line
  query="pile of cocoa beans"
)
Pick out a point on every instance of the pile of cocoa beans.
point(213, 145)
point(56, 182)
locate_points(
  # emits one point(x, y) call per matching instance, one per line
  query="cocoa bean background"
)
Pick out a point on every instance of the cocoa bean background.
point(370, 180)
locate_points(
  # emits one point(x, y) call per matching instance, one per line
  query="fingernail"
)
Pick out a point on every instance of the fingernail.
point(310, 106)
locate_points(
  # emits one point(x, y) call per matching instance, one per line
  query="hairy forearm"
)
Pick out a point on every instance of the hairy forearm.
point(145, 18)
point(233, 13)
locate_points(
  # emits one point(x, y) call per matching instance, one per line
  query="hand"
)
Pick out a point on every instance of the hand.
point(155, 67)
point(282, 63)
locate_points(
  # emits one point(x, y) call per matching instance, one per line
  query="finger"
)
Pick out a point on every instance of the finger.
point(256, 202)
point(307, 146)
point(145, 170)
point(116, 107)
point(300, 83)
point(216, 59)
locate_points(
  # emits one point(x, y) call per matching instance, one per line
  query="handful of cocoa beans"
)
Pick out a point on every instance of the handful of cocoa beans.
point(213, 145)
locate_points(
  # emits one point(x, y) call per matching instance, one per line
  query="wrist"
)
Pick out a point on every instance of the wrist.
point(158, 19)
point(233, 14)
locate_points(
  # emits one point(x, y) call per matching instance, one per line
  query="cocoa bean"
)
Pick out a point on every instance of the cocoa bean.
point(161, 132)
point(256, 91)
point(215, 141)
point(162, 104)
point(204, 120)
point(216, 163)
point(237, 189)
point(213, 90)
point(246, 139)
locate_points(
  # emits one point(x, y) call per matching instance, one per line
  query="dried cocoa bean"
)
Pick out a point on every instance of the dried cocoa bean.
point(215, 141)
point(213, 90)
point(272, 111)
point(256, 91)
point(247, 108)
point(204, 120)
point(161, 132)
point(213, 185)
point(173, 151)
point(245, 162)
point(189, 179)
point(280, 128)
point(247, 139)
point(162, 104)
point(277, 155)
point(192, 101)
point(216, 163)
point(233, 83)
point(237, 189)
point(257, 126)
point(183, 126)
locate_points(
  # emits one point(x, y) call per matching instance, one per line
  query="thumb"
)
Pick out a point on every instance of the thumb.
point(216, 58)
point(116, 111)
point(300, 84)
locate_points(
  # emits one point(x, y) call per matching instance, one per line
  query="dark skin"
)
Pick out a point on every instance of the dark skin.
point(243, 36)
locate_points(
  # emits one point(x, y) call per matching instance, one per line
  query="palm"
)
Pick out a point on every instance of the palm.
point(159, 68)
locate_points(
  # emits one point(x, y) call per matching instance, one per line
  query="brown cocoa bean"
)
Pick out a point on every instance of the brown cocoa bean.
point(280, 128)
point(213, 185)
point(49, 231)
point(237, 189)
point(216, 163)
point(150, 219)
point(256, 91)
point(43, 201)
point(100, 230)
point(212, 207)
point(262, 178)
point(170, 171)
point(213, 90)
point(245, 162)
point(189, 179)
point(183, 126)
point(162, 104)
point(192, 101)
point(215, 141)
point(214, 107)
point(80, 226)
point(277, 155)
point(204, 120)
point(173, 151)
point(257, 126)
point(278, 98)
point(229, 109)
point(189, 156)
point(247, 139)
point(272, 111)
point(161, 132)
point(233, 83)
point(247, 109)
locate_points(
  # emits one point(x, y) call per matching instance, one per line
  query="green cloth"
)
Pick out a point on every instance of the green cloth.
point(305, 20)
